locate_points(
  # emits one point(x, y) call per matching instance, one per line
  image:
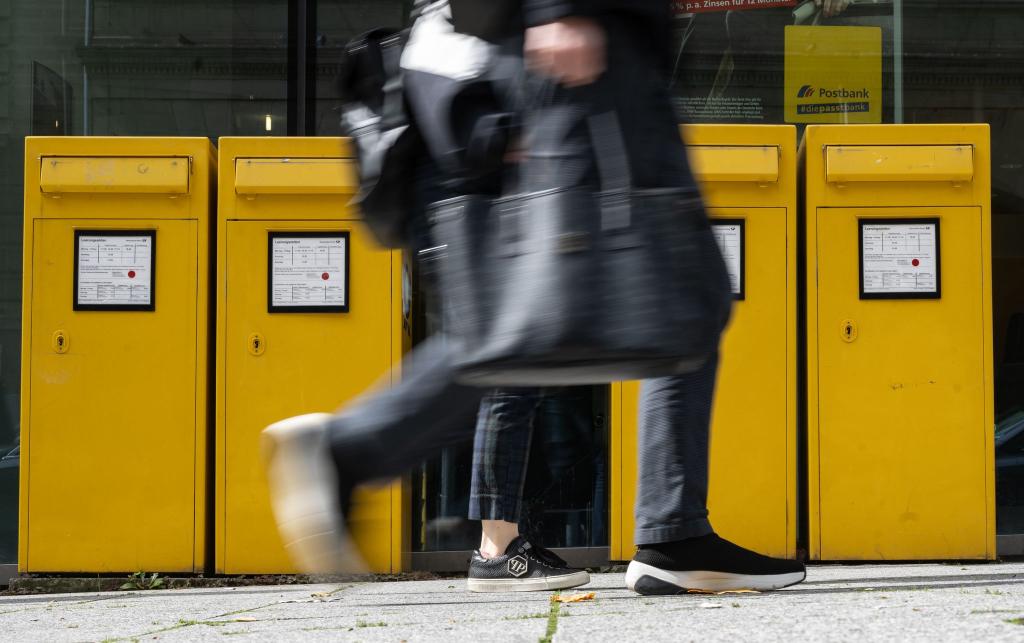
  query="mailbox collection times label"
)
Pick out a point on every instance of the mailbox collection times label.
point(729, 233)
point(899, 259)
point(114, 269)
point(308, 272)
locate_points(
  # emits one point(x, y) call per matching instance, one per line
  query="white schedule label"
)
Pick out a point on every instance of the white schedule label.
point(114, 270)
point(730, 241)
point(899, 258)
point(308, 272)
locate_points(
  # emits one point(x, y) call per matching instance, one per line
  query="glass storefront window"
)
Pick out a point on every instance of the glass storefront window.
point(161, 68)
point(112, 68)
point(565, 495)
point(338, 22)
point(220, 67)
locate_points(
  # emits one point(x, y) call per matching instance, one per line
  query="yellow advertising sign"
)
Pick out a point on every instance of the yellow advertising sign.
point(833, 74)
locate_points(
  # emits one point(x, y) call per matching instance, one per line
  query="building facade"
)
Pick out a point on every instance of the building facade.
point(268, 68)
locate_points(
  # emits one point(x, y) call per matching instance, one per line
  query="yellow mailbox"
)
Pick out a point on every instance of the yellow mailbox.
point(899, 345)
point(114, 354)
point(748, 178)
point(309, 313)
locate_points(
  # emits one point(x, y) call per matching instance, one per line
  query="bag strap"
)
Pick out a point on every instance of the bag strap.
point(607, 143)
point(393, 111)
point(609, 149)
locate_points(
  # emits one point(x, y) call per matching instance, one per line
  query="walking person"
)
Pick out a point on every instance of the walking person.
point(501, 450)
point(591, 53)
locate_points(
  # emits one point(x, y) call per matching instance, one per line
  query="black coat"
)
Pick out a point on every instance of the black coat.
point(457, 126)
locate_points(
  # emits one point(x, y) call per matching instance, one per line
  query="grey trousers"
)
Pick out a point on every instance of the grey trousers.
point(386, 434)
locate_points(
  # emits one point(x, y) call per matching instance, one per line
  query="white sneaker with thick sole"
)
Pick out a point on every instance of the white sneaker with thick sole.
point(650, 580)
point(304, 496)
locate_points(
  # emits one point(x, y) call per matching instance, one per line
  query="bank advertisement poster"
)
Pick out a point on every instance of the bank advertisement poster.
point(833, 74)
point(781, 61)
point(698, 6)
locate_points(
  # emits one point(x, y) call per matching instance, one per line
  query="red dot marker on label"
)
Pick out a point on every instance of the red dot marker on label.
point(915, 263)
point(131, 274)
point(325, 276)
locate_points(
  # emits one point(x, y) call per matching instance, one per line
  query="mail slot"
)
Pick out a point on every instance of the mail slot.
point(114, 400)
point(898, 163)
point(310, 313)
point(747, 174)
point(295, 176)
point(735, 163)
point(119, 175)
point(899, 344)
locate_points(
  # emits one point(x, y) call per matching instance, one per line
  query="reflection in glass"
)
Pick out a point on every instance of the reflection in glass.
point(565, 497)
point(338, 21)
point(161, 67)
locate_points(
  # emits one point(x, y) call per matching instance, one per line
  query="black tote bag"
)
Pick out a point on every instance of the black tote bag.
point(575, 286)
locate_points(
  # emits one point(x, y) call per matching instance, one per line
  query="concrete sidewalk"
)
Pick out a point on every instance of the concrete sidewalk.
point(906, 602)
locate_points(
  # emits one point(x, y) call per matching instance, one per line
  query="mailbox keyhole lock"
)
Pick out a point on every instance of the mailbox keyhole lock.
point(257, 344)
point(848, 330)
point(60, 342)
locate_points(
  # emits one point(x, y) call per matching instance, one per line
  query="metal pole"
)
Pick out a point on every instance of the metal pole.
point(87, 36)
point(87, 40)
point(301, 67)
point(897, 60)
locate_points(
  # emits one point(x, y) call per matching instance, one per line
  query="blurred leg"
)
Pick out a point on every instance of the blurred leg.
point(388, 431)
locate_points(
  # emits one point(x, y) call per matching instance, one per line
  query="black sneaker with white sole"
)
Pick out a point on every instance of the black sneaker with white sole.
point(708, 563)
point(523, 567)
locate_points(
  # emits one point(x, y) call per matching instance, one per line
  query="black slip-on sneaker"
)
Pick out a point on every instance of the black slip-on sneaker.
point(524, 567)
point(306, 496)
point(708, 563)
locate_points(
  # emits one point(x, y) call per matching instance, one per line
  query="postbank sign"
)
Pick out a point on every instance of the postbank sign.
point(833, 74)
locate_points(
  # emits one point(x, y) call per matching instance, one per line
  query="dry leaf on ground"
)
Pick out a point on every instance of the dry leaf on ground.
point(572, 598)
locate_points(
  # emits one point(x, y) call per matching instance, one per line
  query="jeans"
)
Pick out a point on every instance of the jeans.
point(501, 450)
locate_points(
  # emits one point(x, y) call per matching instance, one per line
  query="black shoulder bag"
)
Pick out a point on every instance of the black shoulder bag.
point(581, 286)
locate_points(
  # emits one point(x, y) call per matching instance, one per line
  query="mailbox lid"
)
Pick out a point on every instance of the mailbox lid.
point(735, 163)
point(114, 174)
point(899, 163)
point(295, 176)
point(744, 165)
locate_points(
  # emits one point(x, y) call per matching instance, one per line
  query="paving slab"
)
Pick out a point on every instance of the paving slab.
point(865, 602)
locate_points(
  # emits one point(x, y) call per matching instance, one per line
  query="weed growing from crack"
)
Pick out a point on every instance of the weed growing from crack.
point(552, 619)
point(139, 581)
